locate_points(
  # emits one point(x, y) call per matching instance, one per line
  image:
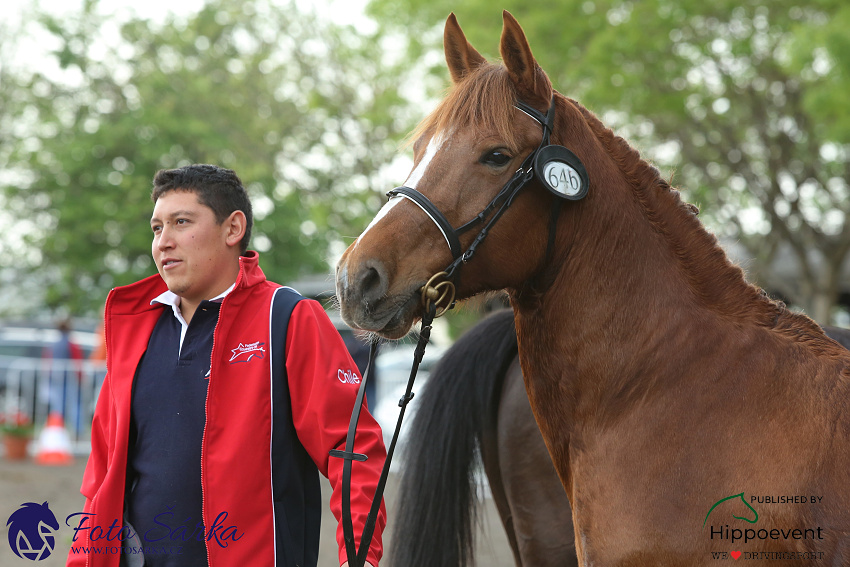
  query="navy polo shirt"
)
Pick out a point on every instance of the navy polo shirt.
point(168, 414)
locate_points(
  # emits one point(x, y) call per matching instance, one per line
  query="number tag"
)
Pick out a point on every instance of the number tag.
point(561, 172)
point(562, 178)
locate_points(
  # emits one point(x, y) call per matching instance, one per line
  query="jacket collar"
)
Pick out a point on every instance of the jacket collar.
point(250, 273)
point(136, 297)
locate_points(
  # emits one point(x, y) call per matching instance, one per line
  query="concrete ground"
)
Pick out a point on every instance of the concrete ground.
point(25, 481)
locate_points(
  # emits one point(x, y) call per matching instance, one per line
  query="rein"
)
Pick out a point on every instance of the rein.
point(438, 296)
point(357, 556)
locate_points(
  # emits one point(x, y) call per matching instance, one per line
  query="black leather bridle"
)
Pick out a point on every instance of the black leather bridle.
point(500, 203)
point(434, 293)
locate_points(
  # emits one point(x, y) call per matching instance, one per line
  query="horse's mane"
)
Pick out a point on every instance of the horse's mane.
point(713, 277)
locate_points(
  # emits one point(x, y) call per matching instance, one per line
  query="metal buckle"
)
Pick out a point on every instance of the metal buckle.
point(438, 293)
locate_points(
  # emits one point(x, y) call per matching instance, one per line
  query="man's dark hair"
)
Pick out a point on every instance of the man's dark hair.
point(219, 189)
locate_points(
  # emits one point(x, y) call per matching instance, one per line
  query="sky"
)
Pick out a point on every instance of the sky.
point(34, 52)
point(338, 11)
point(341, 11)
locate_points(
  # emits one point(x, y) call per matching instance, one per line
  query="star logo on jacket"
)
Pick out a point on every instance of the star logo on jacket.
point(347, 376)
point(244, 353)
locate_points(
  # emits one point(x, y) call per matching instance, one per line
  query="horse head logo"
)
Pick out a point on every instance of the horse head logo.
point(31, 529)
point(734, 496)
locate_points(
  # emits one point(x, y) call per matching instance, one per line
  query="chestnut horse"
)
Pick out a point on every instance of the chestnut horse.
point(475, 399)
point(663, 383)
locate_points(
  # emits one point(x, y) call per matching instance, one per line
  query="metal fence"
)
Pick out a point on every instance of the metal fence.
point(35, 388)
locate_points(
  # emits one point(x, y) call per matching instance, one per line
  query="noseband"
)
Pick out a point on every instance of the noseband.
point(439, 292)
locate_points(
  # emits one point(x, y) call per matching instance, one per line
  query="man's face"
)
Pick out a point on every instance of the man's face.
point(190, 248)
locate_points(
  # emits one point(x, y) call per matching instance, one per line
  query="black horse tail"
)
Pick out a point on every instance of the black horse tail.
point(438, 501)
point(839, 334)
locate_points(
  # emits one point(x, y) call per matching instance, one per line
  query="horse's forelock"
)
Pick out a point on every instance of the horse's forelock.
point(483, 100)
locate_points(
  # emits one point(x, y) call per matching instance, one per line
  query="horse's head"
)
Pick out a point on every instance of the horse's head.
point(472, 160)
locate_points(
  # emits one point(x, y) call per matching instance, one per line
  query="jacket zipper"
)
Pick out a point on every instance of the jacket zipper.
point(207, 413)
point(106, 309)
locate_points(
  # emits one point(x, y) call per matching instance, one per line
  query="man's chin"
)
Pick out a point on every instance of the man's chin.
point(177, 288)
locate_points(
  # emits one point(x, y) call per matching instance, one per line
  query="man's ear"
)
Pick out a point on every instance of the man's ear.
point(235, 225)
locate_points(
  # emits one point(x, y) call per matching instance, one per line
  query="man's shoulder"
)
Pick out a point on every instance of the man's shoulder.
point(271, 290)
point(287, 299)
point(290, 290)
point(153, 282)
point(136, 297)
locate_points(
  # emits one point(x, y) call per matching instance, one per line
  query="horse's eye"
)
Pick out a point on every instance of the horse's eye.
point(495, 158)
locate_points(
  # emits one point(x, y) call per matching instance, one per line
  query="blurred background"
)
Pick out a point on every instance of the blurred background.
point(742, 104)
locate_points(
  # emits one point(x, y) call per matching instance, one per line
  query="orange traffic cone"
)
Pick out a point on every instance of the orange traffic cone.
point(54, 443)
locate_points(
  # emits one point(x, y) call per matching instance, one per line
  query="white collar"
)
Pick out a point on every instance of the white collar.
point(173, 300)
point(170, 298)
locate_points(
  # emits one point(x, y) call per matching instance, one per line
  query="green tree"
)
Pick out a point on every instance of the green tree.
point(303, 110)
point(745, 100)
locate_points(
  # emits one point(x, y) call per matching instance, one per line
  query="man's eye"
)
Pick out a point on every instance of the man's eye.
point(156, 229)
point(495, 158)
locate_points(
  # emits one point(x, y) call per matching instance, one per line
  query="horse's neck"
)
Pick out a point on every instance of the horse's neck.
point(631, 285)
point(582, 339)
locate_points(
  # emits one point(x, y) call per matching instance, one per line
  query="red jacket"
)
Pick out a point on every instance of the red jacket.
point(240, 445)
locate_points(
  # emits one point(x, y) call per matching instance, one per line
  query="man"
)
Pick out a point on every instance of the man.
point(221, 401)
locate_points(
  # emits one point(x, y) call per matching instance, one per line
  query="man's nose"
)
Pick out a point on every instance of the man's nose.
point(165, 239)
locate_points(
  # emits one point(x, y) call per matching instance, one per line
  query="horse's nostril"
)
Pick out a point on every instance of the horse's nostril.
point(372, 282)
point(370, 279)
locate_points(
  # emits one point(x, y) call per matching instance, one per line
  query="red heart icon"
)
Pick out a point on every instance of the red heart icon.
point(735, 554)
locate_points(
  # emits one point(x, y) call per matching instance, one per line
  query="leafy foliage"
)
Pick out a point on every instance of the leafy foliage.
point(303, 111)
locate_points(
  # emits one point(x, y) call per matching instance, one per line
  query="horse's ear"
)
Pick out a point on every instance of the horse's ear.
point(530, 80)
point(461, 57)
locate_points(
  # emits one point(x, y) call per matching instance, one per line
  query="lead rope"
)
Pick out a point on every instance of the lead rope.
point(357, 557)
